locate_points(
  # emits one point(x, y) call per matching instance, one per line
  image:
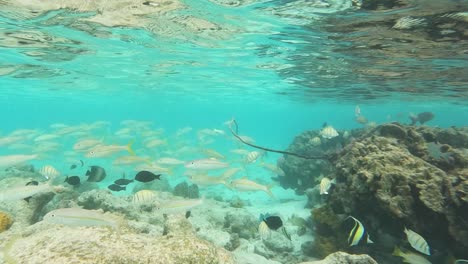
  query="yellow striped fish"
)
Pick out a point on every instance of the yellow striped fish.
point(357, 233)
point(328, 132)
point(264, 230)
point(49, 172)
point(417, 241)
point(325, 185)
point(143, 197)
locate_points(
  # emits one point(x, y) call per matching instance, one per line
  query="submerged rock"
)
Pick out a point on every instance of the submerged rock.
point(344, 258)
point(395, 176)
point(62, 244)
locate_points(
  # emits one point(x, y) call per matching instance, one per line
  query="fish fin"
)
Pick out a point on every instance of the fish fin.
point(397, 252)
point(268, 190)
point(228, 185)
point(369, 241)
point(229, 173)
point(325, 192)
point(285, 232)
point(129, 148)
point(333, 181)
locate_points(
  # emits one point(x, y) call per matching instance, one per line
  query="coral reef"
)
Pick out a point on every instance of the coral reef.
point(302, 174)
point(395, 176)
point(185, 190)
point(401, 179)
point(344, 258)
point(61, 244)
point(329, 235)
point(5, 221)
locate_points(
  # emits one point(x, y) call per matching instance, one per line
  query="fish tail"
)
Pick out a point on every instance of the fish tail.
point(397, 251)
point(414, 119)
point(129, 148)
point(268, 191)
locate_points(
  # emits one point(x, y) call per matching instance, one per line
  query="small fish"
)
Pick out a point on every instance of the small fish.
point(328, 132)
point(73, 180)
point(357, 233)
point(22, 192)
point(179, 206)
point(147, 176)
point(49, 172)
point(183, 131)
point(116, 188)
point(81, 217)
point(96, 174)
point(273, 168)
point(32, 183)
point(252, 156)
point(325, 185)
point(203, 179)
point(74, 166)
point(123, 181)
point(206, 164)
point(417, 241)
point(244, 184)
point(247, 139)
point(273, 222)
point(361, 119)
point(357, 111)
point(421, 117)
point(143, 197)
point(315, 141)
point(264, 230)
point(242, 152)
point(86, 144)
point(128, 160)
point(13, 160)
point(211, 153)
point(155, 143)
point(187, 214)
point(460, 261)
point(152, 167)
point(169, 161)
point(410, 257)
point(102, 151)
point(45, 137)
point(149, 3)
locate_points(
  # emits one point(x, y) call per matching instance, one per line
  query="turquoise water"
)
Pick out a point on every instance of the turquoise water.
point(278, 67)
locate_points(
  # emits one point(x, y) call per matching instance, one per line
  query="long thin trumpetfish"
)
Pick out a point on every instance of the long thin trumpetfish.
point(325, 157)
point(235, 134)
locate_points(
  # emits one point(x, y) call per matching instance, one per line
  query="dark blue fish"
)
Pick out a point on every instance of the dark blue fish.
point(147, 176)
point(123, 181)
point(116, 188)
point(73, 180)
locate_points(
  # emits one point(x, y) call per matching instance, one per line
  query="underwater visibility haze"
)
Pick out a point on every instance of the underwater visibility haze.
point(220, 131)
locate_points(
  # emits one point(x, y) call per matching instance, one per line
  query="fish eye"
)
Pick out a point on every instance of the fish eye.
point(52, 215)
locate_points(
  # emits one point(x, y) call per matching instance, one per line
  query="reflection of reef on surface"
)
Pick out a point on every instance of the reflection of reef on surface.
point(384, 46)
point(395, 176)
